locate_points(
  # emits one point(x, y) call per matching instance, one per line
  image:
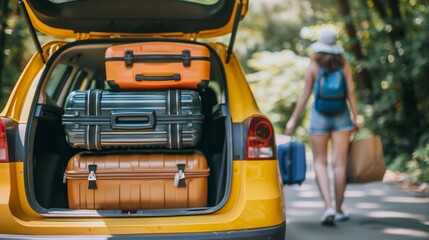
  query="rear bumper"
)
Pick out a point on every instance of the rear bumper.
point(255, 206)
point(276, 232)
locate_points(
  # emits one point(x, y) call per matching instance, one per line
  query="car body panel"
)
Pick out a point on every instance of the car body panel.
point(22, 91)
point(274, 232)
point(242, 103)
point(254, 203)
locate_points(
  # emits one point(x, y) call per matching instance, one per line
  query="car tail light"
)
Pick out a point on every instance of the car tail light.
point(4, 152)
point(260, 139)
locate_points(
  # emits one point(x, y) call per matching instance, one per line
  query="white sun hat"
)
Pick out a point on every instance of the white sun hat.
point(326, 43)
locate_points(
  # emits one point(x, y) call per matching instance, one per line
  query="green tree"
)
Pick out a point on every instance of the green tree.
point(396, 37)
point(386, 43)
point(4, 10)
point(14, 48)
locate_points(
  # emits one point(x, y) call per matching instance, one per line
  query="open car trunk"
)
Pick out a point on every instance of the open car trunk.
point(81, 66)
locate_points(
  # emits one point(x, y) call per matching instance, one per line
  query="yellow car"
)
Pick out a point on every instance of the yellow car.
point(245, 195)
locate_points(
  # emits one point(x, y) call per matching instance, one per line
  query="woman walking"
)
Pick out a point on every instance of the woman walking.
point(336, 128)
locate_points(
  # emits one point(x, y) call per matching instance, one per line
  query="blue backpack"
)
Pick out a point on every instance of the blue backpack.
point(330, 92)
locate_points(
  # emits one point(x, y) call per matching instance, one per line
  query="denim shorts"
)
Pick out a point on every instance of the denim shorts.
point(322, 124)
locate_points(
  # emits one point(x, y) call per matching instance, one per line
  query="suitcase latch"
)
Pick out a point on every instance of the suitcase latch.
point(186, 58)
point(92, 178)
point(129, 58)
point(179, 177)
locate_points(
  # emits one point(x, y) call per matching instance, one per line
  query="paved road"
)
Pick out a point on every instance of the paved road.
point(378, 211)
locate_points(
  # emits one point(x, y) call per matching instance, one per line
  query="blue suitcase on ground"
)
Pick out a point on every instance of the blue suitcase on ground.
point(292, 162)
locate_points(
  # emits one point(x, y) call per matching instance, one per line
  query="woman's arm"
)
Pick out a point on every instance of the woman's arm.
point(309, 78)
point(351, 96)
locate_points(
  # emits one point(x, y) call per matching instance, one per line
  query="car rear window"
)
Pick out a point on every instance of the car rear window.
point(56, 81)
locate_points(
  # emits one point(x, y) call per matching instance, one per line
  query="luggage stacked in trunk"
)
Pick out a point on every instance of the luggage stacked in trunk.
point(140, 137)
point(133, 180)
point(96, 119)
point(157, 65)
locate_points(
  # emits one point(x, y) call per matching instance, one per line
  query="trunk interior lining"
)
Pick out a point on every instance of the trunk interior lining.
point(52, 152)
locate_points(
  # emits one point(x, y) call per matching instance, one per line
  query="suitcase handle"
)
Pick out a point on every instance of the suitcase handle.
point(288, 169)
point(132, 120)
point(175, 77)
point(184, 58)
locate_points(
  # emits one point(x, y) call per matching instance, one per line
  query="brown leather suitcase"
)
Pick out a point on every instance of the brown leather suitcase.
point(157, 65)
point(135, 180)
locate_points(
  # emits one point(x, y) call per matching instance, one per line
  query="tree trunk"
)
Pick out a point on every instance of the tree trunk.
point(390, 12)
point(391, 16)
point(398, 31)
point(363, 77)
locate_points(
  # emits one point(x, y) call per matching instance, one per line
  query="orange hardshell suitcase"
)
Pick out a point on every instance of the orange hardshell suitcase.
point(133, 181)
point(157, 65)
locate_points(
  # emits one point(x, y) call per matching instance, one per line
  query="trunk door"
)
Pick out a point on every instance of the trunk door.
point(83, 19)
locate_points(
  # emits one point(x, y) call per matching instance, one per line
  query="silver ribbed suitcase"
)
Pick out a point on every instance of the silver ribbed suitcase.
point(96, 119)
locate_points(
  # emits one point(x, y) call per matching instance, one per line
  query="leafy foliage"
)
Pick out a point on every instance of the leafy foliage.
point(392, 36)
point(398, 63)
point(277, 84)
point(17, 50)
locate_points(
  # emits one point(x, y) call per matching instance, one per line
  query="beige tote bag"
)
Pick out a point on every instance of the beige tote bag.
point(365, 160)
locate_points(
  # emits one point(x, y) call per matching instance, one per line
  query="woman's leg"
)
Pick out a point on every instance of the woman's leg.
point(340, 144)
point(319, 144)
